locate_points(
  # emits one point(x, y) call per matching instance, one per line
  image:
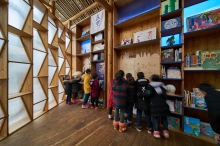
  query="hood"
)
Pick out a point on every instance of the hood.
point(157, 85)
point(120, 82)
point(131, 81)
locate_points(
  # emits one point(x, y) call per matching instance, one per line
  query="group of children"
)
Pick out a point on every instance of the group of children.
point(145, 96)
point(91, 87)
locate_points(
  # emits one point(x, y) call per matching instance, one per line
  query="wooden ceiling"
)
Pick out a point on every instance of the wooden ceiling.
point(65, 9)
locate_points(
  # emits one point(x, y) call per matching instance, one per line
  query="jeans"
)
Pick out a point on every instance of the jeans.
point(68, 98)
point(129, 111)
point(94, 99)
point(164, 123)
point(116, 116)
point(86, 99)
point(75, 95)
point(147, 115)
point(110, 110)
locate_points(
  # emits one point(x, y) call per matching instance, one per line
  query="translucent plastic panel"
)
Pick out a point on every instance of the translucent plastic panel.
point(60, 53)
point(51, 60)
point(67, 64)
point(16, 110)
point(38, 61)
point(51, 33)
point(1, 112)
point(67, 42)
point(27, 1)
point(39, 107)
point(61, 89)
point(59, 32)
point(38, 44)
point(67, 35)
point(51, 72)
point(18, 11)
point(38, 15)
point(51, 97)
point(61, 96)
point(17, 73)
point(51, 21)
point(39, 94)
point(67, 70)
point(16, 49)
point(1, 35)
point(61, 60)
point(1, 44)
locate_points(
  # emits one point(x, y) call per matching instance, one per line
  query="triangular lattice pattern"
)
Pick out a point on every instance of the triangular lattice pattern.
point(52, 30)
point(61, 61)
point(67, 42)
point(38, 15)
point(39, 107)
point(61, 89)
point(38, 44)
point(39, 94)
point(61, 97)
point(60, 53)
point(51, 73)
point(38, 61)
point(51, 60)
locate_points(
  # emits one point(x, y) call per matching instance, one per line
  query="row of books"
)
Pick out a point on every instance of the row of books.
point(175, 106)
point(193, 60)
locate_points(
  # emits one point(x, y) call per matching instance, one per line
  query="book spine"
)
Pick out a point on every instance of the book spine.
point(180, 54)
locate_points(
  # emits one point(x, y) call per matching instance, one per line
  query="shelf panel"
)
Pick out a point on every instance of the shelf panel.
point(203, 32)
point(188, 3)
point(173, 14)
point(175, 96)
point(150, 42)
point(177, 114)
point(18, 32)
point(52, 86)
point(85, 54)
point(97, 32)
point(19, 124)
point(172, 62)
point(98, 61)
point(200, 70)
point(172, 31)
point(98, 51)
point(52, 47)
point(138, 19)
point(173, 46)
point(39, 114)
point(84, 38)
point(11, 96)
point(99, 41)
point(171, 79)
point(196, 108)
point(61, 41)
point(39, 27)
point(40, 76)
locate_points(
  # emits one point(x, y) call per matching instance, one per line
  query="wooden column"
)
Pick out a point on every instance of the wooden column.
point(109, 50)
point(53, 7)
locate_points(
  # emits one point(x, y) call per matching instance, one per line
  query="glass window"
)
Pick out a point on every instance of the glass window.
point(59, 32)
point(39, 94)
point(67, 64)
point(67, 70)
point(1, 44)
point(51, 97)
point(1, 112)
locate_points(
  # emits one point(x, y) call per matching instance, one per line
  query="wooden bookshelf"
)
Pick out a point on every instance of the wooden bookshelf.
point(171, 15)
point(84, 38)
point(173, 46)
point(11, 96)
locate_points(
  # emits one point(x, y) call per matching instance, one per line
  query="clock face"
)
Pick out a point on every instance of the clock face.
point(171, 24)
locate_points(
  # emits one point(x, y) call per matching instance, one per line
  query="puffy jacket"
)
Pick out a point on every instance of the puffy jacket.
point(86, 84)
point(75, 84)
point(95, 88)
point(131, 90)
point(68, 87)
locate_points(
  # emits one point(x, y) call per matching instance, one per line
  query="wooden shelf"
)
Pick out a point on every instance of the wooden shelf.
point(84, 38)
point(85, 54)
point(171, 79)
point(61, 74)
point(19, 124)
point(99, 41)
point(200, 70)
point(177, 114)
point(18, 32)
point(206, 138)
point(196, 108)
point(40, 76)
point(138, 19)
point(52, 86)
point(61, 41)
point(36, 115)
point(150, 42)
point(188, 3)
point(173, 46)
point(172, 31)
point(171, 15)
point(97, 32)
point(3, 2)
point(11, 96)
point(175, 96)
point(172, 62)
point(203, 32)
point(52, 47)
point(39, 27)
point(98, 61)
point(98, 51)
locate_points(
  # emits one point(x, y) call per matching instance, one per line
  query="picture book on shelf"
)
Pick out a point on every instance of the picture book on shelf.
point(210, 59)
point(85, 46)
point(199, 98)
point(206, 129)
point(192, 126)
point(173, 122)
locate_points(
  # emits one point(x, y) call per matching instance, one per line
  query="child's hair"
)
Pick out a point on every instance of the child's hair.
point(64, 77)
point(155, 77)
point(205, 87)
point(140, 75)
point(128, 75)
point(94, 75)
point(88, 70)
point(119, 75)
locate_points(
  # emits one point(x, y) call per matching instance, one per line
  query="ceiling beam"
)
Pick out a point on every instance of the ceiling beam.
point(46, 4)
point(104, 5)
point(94, 5)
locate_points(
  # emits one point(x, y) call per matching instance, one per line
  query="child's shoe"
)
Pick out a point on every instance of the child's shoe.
point(85, 106)
point(122, 127)
point(78, 101)
point(74, 101)
point(139, 128)
point(149, 129)
point(129, 123)
point(116, 125)
point(110, 116)
point(96, 107)
point(165, 133)
point(70, 103)
point(156, 134)
point(92, 106)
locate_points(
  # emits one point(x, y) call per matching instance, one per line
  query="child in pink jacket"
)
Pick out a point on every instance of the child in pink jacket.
point(95, 90)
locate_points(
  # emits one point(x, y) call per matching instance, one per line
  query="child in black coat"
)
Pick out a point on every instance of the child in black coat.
point(68, 90)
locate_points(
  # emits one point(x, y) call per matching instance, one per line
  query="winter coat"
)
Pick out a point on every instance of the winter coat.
point(131, 90)
point(110, 101)
point(95, 88)
point(68, 88)
point(75, 85)
point(120, 89)
point(142, 101)
point(86, 84)
point(158, 105)
point(212, 99)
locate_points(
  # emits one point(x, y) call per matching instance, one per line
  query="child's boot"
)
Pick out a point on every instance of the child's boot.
point(165, 133)
point(122, 127)
point(116, 125)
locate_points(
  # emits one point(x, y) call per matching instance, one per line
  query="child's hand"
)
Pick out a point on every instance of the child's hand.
point(217, 138)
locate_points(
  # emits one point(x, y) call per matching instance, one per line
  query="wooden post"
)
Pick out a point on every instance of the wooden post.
point(53, 7)
point(109, 50)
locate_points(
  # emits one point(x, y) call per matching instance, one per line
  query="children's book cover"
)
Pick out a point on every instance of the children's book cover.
point(206, 129)
point(210, 59)
point(173, 123)
point(199, 98)
point(145, 35)
point(192, 126)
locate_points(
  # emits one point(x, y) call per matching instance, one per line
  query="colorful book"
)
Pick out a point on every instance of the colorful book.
point(206, 129)
point(173, 122)
point(199, 98)
point(192, 126)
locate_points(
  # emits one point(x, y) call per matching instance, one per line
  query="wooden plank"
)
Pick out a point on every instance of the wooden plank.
point(121, 3)
point(11, 96)
point(61, 41)
point(84, 38)
point(172, 14)
point(19, 124)
point(99, 41)
point(98, 61)
point(85, 54)
point(38, 26)
point(98, 51)
point(104, 5)
point(18, 32)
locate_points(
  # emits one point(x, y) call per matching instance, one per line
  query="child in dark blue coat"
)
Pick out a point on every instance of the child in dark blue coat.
point(68, 90)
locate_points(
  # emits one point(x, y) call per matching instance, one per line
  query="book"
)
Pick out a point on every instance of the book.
point(206, 129)
point(199, 98)
point(171, 105)
point(192, 126)
point(173, 122)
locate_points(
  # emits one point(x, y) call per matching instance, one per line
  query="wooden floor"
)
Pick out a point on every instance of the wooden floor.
point(70, 125)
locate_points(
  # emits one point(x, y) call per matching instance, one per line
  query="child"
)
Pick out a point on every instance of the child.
point(68, 90)
point(212, 99)
point(119, 87)
point(110, 101)
point(142, 103)
point(95, 90)
point(130, 99)
point(87, 88)
point(158, 105)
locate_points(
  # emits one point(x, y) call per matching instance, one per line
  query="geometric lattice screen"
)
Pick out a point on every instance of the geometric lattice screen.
point(52, 30)
point(67, 67)
point(51, 101)
point(39, 94)
point(1, 39)
point(67, 40)
point(38, 15)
